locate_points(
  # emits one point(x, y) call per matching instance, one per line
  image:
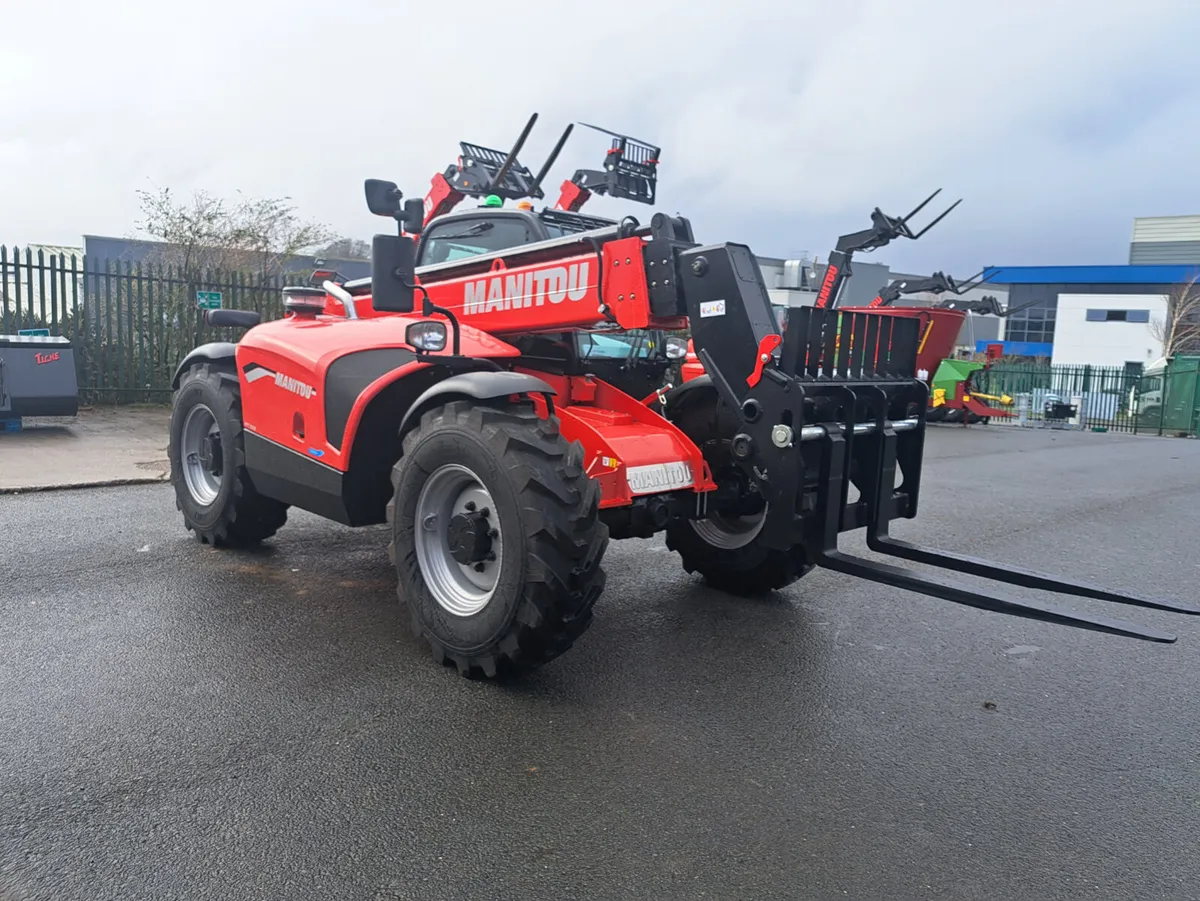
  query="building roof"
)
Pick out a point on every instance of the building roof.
point(1166, 228)
point(1100, 275)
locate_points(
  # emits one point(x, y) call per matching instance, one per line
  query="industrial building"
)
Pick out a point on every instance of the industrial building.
point(1101, 315)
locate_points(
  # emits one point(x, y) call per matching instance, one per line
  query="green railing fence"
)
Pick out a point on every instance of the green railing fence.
point(130, 323)
point(1109, 398)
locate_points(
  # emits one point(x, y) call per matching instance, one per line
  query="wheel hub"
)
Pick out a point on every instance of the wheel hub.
point(210, 454)
point(469, 537)
point(201, 457)
point(459, 545)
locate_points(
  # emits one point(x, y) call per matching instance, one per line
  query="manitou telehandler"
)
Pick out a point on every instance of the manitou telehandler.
point(504, 467)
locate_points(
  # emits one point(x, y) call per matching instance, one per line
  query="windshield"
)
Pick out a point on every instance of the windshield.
point(637, 344)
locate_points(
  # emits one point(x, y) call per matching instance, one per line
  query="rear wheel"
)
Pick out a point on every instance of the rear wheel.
point(208, 464)
point(496, 537)
point(724, 548)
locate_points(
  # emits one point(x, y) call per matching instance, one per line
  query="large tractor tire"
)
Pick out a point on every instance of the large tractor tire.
point(208, 464)
point(724, 547)
point(496, 537)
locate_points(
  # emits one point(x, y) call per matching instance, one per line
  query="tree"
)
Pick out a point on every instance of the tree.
point(239, 247)
point(254, 237)
point(1179, 332)
point(346, 249)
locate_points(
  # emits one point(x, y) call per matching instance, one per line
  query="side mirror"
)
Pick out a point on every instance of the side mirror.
point(393, 273)
point(383, 197)
point(413, 217)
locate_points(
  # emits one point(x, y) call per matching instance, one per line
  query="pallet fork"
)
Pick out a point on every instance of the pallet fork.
point(842, 384)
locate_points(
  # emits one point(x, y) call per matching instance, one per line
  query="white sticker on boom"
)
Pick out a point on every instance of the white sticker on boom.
point(712, 308)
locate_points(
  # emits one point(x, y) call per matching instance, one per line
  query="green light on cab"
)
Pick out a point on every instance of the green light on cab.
point(493, 200)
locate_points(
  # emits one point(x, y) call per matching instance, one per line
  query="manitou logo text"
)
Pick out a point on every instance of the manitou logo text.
point(526, 289)
point(287, 383)
point(831, 272)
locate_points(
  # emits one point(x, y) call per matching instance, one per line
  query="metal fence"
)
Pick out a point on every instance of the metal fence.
point(1099, 398)
point(130, 323)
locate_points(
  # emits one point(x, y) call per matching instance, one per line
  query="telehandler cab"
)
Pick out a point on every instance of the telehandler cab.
point(504, 464)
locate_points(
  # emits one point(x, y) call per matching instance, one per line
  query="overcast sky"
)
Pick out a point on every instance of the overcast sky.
point(782, 122)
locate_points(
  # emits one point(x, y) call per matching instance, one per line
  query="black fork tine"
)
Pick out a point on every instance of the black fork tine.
point(906, 579)
point(1026, 578)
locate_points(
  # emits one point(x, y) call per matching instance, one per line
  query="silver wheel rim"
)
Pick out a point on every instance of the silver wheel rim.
point(730, 532)
point(197, 450)
point(462, 589)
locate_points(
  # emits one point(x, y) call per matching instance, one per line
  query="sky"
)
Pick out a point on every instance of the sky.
point(782, 123)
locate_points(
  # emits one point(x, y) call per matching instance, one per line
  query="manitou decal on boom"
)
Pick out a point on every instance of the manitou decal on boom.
point(522, 290)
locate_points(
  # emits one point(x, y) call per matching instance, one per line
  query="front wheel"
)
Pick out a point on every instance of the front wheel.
point(208, 464)
point(496, 537)
point(724, 548)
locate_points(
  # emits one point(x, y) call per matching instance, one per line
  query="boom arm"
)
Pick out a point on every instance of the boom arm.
point(630, 173)
point(884, 229)
point(939, 283)
point(600, 278)
point(480, 171)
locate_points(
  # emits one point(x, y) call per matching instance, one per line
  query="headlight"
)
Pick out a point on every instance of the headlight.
point(676, 348)
point(426, 336)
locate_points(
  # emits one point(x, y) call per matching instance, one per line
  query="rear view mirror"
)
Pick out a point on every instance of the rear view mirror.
point(413, 216)
point(383, 197)
point(393, 274)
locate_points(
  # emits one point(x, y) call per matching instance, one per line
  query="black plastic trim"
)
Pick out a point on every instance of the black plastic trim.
point(213, 352)
point(480, 386)
point(348, 376)
point(288, 476)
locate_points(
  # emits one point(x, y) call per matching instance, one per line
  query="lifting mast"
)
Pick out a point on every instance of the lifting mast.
point(884, 229)
point(630, 172)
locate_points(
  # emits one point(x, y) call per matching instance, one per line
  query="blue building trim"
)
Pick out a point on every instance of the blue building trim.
point(1099, 275)
point(1019, 348)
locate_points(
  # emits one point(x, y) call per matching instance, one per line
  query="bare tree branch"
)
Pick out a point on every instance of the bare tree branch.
point(253, 236)
point(1179, 332)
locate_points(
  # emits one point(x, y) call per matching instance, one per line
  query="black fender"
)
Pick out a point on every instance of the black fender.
point(676, 396)
point(219, 352)
point(478, 386)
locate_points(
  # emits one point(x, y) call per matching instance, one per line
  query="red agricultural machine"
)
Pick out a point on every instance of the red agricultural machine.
point(441, 397)
point(952, 397)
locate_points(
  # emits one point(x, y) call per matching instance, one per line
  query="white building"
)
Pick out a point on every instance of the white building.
point(1108, 329)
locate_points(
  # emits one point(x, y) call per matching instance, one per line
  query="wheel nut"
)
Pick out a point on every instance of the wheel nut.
point(781, 435)
point(430, 522)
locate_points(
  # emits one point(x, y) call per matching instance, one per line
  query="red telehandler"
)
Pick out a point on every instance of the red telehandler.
point(440, 399)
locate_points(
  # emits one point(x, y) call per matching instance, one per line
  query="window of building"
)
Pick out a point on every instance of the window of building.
point(1118, 315)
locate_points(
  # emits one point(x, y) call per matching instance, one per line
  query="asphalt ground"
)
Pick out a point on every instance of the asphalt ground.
point(177, 722)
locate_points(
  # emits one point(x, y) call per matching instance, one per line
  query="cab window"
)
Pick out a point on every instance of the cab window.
point(466, 237)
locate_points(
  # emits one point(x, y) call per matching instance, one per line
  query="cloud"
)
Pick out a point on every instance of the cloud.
point(782, 123)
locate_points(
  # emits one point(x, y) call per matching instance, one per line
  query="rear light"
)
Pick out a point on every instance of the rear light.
point(303, 302)
point(427, 336)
